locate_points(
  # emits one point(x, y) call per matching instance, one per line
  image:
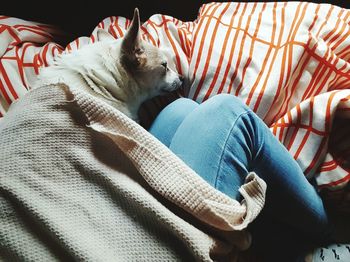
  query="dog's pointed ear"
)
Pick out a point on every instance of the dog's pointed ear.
point(103, 35)
point(132, 41)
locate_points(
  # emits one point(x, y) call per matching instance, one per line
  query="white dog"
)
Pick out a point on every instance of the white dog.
point(123, 72)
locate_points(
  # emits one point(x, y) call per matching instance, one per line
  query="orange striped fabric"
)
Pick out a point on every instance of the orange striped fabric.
point(288, 61)
point(24, 48)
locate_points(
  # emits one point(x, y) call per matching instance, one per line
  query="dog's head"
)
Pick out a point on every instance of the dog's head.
point(125, 72)
point(148, 73)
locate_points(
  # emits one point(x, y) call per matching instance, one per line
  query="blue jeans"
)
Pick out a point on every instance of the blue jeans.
point(222, 140)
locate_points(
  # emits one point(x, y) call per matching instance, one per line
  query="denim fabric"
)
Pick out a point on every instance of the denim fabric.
point(222, 140)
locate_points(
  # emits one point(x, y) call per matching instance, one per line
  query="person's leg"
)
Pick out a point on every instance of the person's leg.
point(223, 140)
point(169, 119)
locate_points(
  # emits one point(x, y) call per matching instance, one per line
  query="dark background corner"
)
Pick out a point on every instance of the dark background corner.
point(79, 17)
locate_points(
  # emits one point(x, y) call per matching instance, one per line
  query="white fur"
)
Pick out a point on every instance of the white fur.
point(101, 70)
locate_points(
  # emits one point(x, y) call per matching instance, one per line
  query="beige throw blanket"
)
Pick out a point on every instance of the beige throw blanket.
point(90, 184)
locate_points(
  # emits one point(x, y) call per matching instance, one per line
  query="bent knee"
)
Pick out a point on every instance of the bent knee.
point(183, 102)
point(226, 102)
point(179, 108)
point(170, 118)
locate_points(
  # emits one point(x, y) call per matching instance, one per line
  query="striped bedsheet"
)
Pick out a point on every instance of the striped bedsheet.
point(288, 61)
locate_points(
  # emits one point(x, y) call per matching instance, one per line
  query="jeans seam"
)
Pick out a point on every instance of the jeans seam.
point(225, 145)
point(257, 153)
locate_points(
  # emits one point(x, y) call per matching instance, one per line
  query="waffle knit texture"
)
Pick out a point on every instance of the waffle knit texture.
point(90, 184)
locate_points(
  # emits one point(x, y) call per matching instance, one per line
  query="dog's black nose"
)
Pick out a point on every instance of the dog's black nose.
point(181, 78)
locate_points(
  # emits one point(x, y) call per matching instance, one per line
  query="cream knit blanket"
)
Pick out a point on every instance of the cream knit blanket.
point(81, 181)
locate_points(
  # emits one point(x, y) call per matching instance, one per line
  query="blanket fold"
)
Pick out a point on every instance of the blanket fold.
point(91, 184)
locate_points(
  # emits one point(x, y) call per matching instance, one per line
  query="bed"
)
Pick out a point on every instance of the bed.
point(288, 61)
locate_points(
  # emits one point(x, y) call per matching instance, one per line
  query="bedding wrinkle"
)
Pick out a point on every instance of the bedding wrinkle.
point(228, 66)
point(198, 55)
point(251, 48)
point(210, 49)
point(238, 62)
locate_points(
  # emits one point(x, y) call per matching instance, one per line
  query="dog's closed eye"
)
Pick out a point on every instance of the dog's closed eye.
point(165, 65)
